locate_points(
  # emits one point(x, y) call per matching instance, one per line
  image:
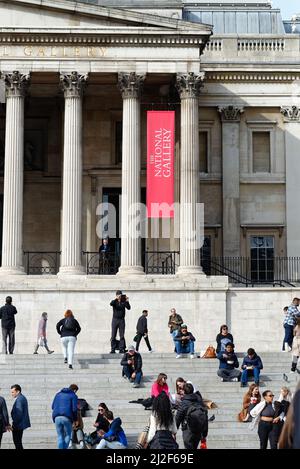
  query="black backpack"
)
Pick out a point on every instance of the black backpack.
point(197, 420)
point(70, 324)
point(83, 406)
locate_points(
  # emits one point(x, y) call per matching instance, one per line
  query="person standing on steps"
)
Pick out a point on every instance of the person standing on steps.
point(175, 321)
point(68, 329)
point(19, 415)
point(64, 414)
point(142, 331)
point(296, 347)
point(42, 339)
point(4, 418)
point(289, 323)
point(8, 325)
point(118, 320)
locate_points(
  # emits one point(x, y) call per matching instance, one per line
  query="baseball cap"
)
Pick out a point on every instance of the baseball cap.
point(131, 348)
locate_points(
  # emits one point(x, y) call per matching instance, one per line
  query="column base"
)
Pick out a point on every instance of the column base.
point(71, 270)
point(12, 270)
point(189, 270)
point(131, 270)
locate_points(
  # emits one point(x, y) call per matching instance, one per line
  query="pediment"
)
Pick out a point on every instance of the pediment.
point(56, 14)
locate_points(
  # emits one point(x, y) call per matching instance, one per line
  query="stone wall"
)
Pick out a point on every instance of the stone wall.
point(254, 315)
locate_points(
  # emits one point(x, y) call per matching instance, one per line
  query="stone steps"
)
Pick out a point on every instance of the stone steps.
point(99, 380)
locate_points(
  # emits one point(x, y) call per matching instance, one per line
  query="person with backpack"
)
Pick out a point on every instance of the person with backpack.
point(223, 338)
point(192, 416)
point(68, 329)
point(162, 429)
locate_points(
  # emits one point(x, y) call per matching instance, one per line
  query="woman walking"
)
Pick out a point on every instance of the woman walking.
point(68, 329)
point(268, 415)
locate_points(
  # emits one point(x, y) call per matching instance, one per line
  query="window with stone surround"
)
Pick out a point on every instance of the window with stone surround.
point(203, 151)
point(261, 152)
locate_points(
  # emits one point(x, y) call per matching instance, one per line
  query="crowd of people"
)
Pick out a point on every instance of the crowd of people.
point(277, 420)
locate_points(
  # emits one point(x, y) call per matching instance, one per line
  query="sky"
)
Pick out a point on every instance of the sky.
point(288, 7)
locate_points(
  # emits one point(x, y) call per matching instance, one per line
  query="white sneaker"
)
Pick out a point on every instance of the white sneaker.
point(222, 379)
point(151, 351)
point(192, 355)
point(178, 356)
point(234, 379)
point(81, 445)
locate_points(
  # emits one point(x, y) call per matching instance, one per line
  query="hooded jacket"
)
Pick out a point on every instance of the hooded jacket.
point(187, 401)
point(65, 405)
point(115, 430)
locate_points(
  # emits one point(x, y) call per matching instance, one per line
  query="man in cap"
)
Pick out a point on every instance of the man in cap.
point(8, 324)
point(118, 321)
point(132, 366)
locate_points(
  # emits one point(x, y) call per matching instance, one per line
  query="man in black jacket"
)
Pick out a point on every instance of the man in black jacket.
point(4, 419)
point(8, 324)
point(118, 321)
point(190, 402)
point(142, 331)
point(132, 366)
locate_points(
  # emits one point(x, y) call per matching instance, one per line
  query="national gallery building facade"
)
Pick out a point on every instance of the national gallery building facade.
point(77, 80)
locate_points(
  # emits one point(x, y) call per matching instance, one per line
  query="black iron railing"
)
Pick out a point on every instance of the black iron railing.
point(161, 262)
point(41, 262)
point(103, 263)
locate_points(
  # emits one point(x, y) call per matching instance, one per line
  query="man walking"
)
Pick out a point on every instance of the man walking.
point(4, 419)
point(142, 331)
point(19, 415)
point(118, 321)
point(175, 321)
point(8, 324)
point(64, 414)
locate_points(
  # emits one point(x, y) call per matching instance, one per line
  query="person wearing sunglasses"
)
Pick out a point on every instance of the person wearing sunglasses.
point(100, 424)
point(267, 415)
point(223, 338)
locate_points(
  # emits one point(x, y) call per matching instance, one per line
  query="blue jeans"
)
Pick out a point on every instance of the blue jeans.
point(245, 373)
point(64, 431)
point(188, 348)
point(127, 371)
point(288, 335)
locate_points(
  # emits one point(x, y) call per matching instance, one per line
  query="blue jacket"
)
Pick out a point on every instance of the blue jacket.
point(65, 405)
point(20, 414)
point(224, 361)
point(115, 429)
point(256, 362)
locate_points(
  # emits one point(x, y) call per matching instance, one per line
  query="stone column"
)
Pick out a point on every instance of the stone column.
point(16, 85)
point(189, 86)
point(130, 85)
point(292, 162)
point(230, 117)
point(73, 86)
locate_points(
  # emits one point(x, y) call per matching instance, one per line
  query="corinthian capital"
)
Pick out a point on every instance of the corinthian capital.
point(291, 113)
point(130, 84)
point(16, 84)
point(73, 84)
point(189, 84)
point(230, 113)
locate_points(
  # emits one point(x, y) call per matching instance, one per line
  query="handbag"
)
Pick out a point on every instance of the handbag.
point(210, 352)
point(210, 404)
point(142, 439)
point(135, 338)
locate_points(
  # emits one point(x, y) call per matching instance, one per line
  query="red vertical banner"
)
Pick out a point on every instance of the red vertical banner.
point(160, 164)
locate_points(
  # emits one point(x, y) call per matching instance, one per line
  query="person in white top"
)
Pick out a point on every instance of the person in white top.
point(162, 431)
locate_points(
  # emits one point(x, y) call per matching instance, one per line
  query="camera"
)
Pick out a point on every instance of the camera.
point(123, 298)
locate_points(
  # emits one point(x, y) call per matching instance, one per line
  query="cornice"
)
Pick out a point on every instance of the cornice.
point(136, 38)
point(252, 77)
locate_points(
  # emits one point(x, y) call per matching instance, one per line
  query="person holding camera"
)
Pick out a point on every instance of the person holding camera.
point(132, 366)
point(118, 321)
